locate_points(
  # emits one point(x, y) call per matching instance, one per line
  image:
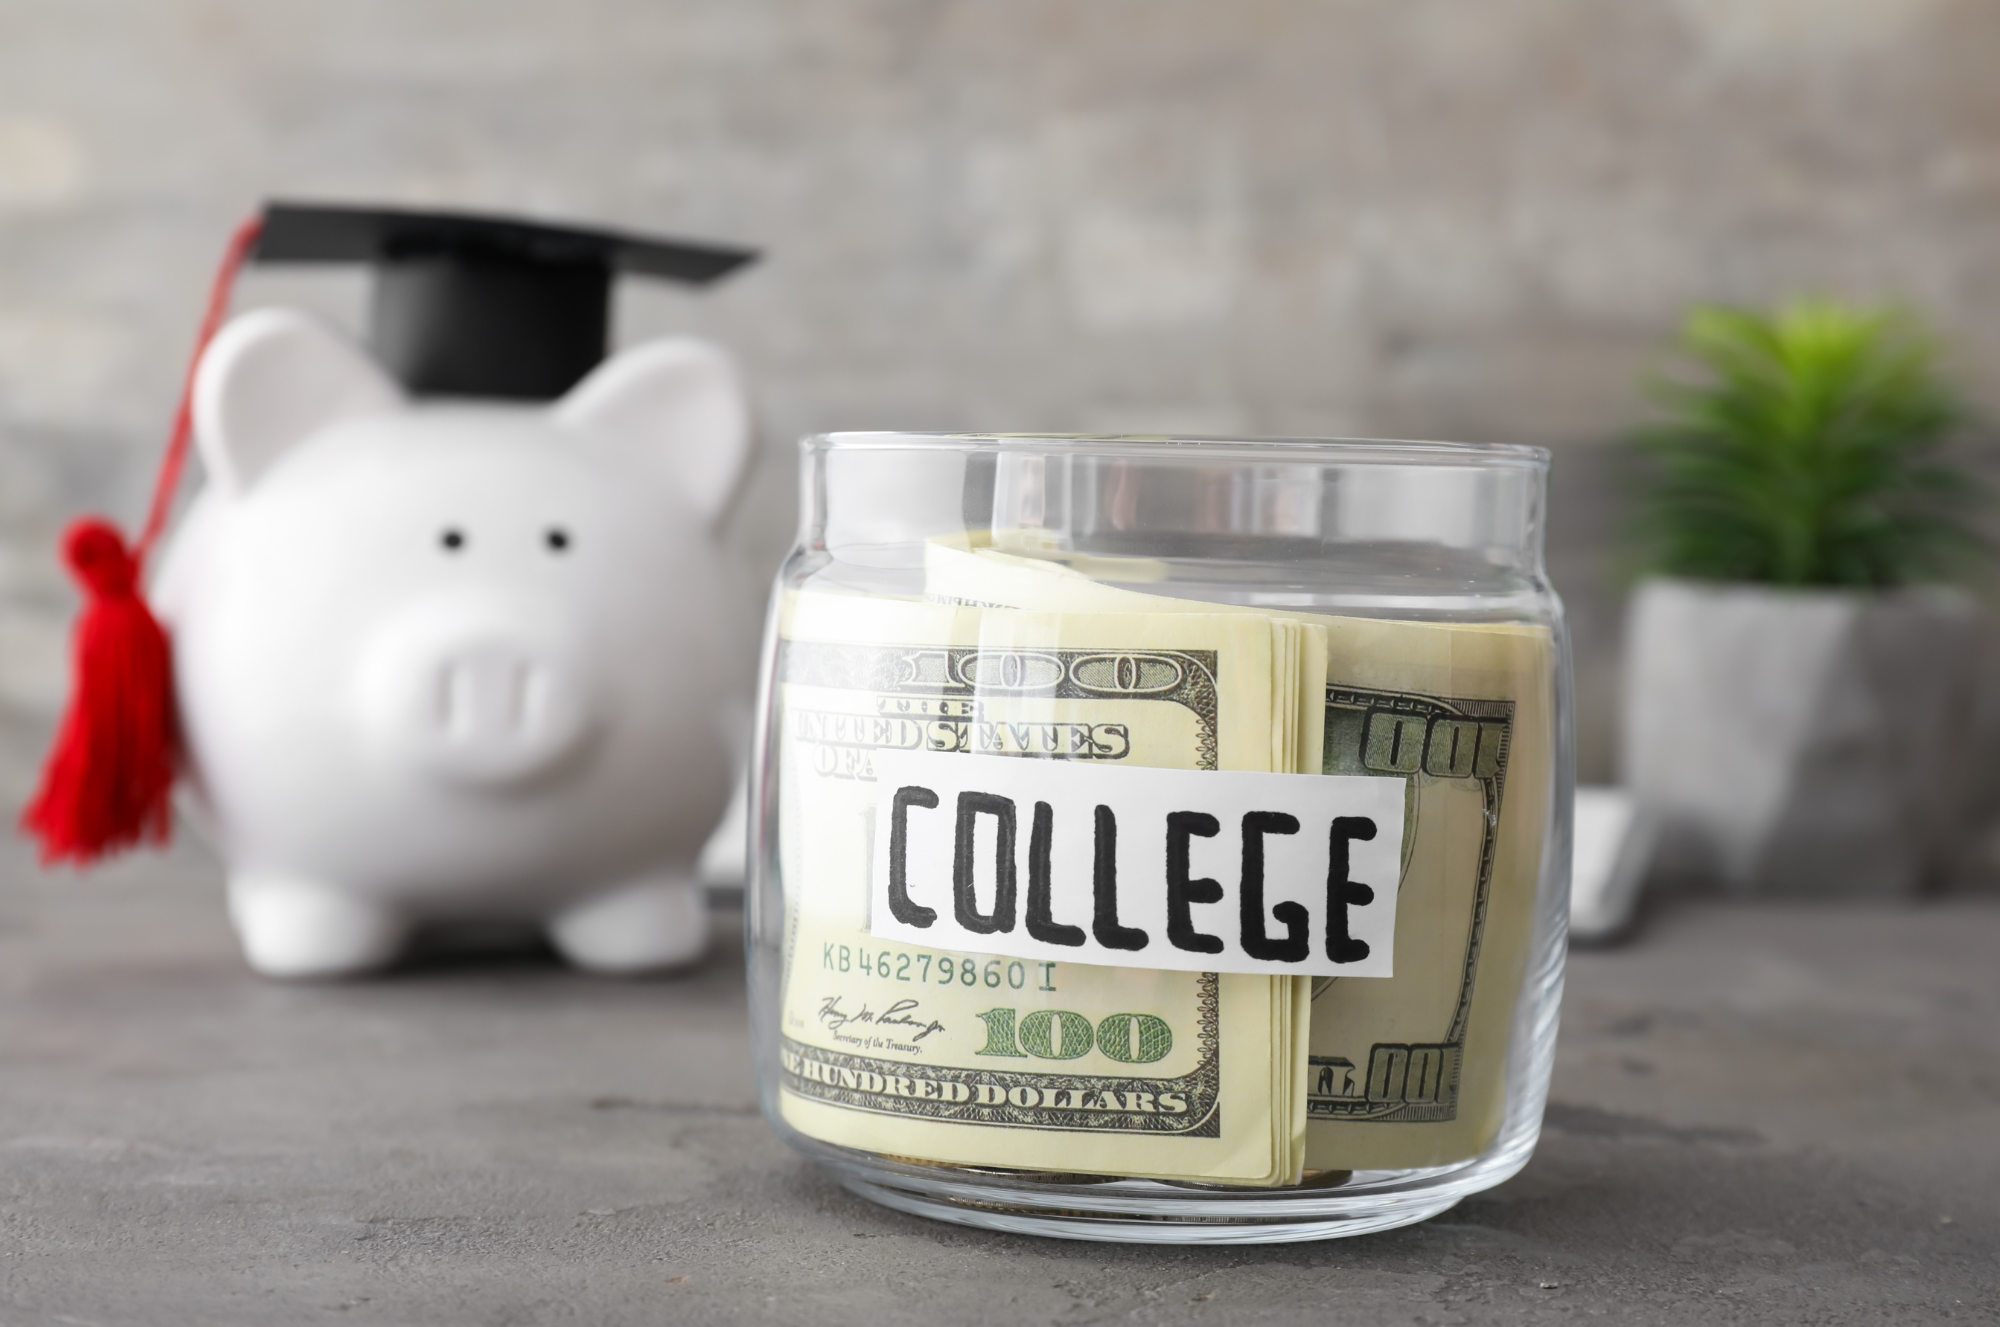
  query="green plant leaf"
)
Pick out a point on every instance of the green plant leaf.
point(1807, 448)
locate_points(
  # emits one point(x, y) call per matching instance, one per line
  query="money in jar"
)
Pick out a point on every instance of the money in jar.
point(1161, 839)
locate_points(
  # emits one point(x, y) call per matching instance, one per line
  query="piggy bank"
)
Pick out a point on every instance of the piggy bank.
point(456, 661)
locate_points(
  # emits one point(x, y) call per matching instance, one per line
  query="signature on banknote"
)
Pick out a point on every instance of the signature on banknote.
point(903, 1014)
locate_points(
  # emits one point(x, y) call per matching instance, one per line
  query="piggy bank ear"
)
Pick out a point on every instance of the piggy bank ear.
point(269, 379)
point(675, 406)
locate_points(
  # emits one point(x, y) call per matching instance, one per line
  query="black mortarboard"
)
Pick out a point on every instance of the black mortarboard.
point(484, 306)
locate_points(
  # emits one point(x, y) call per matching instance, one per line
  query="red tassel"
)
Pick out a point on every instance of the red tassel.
point(107, 782)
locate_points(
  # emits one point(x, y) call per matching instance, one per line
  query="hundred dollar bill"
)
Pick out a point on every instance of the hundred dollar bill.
point(987, 1060)
point(1410, 1070)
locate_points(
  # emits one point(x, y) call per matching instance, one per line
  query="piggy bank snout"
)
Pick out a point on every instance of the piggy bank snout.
point(497, 703)
point(474, 701)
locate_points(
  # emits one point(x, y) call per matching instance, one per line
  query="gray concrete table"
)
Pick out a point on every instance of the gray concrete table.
point(1761, 1115)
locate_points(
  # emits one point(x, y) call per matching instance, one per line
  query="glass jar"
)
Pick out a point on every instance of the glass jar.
point(1049, 723)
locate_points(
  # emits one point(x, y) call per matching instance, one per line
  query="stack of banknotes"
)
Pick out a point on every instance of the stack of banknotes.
point(1010, 1059)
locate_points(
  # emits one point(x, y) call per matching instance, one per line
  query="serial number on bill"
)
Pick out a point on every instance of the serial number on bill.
point(927, 969)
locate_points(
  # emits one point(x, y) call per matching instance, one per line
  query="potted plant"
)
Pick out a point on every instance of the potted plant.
point(1799, 676)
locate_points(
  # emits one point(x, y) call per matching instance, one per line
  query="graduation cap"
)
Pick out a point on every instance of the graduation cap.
point(471, 305)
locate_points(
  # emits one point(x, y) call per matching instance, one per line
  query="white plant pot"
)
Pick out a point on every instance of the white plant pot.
point(1801, 741)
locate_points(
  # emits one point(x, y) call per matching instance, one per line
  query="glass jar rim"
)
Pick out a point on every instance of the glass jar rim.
point(1163, 446)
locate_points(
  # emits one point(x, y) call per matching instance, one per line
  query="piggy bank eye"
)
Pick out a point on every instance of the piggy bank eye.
point(452, 539)
point(557, 539)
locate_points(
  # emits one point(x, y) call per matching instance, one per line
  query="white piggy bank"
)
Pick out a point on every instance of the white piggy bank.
point(456, 661)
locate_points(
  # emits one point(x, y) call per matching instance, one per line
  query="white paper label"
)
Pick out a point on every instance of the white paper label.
point(1198, 871)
